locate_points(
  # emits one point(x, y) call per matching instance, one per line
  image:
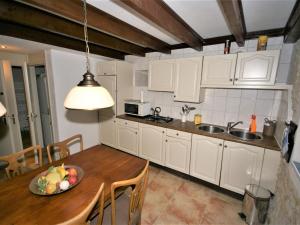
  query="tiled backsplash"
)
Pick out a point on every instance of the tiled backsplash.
point(223, 105)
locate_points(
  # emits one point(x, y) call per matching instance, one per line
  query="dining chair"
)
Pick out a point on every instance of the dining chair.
point(82, 218)
point(127, 209)
point(63, 147)
point(23, 161)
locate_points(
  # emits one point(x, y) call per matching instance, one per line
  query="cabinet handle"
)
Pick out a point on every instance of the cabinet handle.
point(136, 132)
point(230, 79)
point(225, 146)
point(166, 140)
point(125, 123)
point(114, 121)
point(174, 96)
point(220, 144)
point(236, 79)
point(163, 132)
point(177, 134)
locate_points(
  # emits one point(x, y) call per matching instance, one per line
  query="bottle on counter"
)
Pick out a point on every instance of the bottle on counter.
point(227, 47)
point(262, 42)
point(252, 127)
point(197, 119)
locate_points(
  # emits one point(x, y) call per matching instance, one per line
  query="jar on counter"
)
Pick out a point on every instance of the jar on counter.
point(197, 119)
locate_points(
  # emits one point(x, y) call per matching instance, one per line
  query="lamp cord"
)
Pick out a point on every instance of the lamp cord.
point(87, 52)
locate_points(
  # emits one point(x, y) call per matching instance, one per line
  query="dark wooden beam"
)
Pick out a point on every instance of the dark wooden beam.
point(98, 19)
point(233, 13)
point(28, 33)
point(270, 33)
point(292, 28)
point(25, 15)
point(163, 16)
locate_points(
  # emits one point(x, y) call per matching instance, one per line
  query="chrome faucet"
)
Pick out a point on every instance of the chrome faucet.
point(231, 125)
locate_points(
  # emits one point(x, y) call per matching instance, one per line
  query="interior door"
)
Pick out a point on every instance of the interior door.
point(10, 136)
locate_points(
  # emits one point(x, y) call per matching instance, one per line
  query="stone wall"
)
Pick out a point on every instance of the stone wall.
point(285, 205)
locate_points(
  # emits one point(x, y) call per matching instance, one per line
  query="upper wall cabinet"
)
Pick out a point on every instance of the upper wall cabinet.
point(187, 79)
point(257, 68)
point(161, 75)
point(219, 70)
point(107, 68)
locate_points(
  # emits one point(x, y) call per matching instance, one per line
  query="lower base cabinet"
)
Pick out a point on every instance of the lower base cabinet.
point(152, 143)
point(206, 158)
point(241, 165)
point(108, 131)
point(178, 151)
point(127, 137)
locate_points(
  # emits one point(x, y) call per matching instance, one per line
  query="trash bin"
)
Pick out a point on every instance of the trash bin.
point(256, 204)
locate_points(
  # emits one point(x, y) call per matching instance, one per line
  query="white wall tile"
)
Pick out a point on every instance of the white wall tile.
point(251, 94)
point(220, 92)
point(235, 93)
point(286, 53)
point(232, 105)
point(263, 107)
point(219, 104)
point(247, 106)
point(218, 118)
point(265, 94)
point(231, 117)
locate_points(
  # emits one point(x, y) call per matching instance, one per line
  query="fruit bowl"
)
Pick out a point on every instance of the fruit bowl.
point(56, 180)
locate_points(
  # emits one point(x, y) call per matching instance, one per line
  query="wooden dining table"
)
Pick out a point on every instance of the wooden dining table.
point(100, 164)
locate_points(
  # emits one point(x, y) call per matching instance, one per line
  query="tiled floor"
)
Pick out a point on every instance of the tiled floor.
point(172, 200)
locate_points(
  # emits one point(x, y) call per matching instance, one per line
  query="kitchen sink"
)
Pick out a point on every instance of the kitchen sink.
point(211, 129)
point(245, 135)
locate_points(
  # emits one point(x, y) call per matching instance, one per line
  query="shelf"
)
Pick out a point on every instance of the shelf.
point(274, 87)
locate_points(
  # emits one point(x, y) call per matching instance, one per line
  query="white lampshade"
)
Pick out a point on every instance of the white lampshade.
point(2, 109)
point(88, 98)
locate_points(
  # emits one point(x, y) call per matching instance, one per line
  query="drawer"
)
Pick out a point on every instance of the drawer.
point(179, 134)
point(128, 123)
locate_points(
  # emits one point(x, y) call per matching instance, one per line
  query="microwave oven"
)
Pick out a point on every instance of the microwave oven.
point(137, 108)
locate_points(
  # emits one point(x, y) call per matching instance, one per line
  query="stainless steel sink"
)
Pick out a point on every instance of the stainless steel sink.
point(211, 129)
point(245, 135)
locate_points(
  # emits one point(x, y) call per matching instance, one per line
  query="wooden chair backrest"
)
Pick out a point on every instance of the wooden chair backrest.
point(63, 146)
point(17, 161)
point(82, 217)
point(137, 195)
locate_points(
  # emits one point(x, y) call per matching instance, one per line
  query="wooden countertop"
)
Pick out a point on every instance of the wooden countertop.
point(190, 127)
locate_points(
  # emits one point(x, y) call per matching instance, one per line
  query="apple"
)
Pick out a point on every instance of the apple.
point(72, 172)
point(72, 180)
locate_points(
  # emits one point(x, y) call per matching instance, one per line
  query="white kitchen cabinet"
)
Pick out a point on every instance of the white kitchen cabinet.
point(178, 149)
point(152, 143)
point(127, 136)
point(108, 130)
point(161, 75)
point(187, 79)
point(269, 170)
point(241, 165)
point(218, 70)
point(107, 68)
point(206, 158)
point(257, 68)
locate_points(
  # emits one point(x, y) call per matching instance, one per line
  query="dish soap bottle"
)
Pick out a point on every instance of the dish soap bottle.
point(252, 127)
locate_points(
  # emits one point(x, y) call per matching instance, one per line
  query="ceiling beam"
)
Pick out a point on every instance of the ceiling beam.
point(25, 15)
point(102, 21)
point(163, 16)
point(28, 33)
point(234, 16)
point(292, 28)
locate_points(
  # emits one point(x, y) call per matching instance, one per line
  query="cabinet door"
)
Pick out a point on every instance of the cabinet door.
point(269, 170)
point(218, 70)
point(108, 130)
point(241, 166)
point(107, 68)
point(206, 158)
point(127, 139)
point(257, 68)
point(188, 78)
point(161, 75)
point(152, 143)
point(178, 154)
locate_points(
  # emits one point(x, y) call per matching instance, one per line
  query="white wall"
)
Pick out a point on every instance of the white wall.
point(222, 105)
point(64, 71)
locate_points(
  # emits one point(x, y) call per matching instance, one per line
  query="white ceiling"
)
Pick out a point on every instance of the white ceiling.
point(205, 16)
point(266, 14)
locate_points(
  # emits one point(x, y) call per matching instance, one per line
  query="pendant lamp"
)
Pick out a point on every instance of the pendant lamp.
point(88, 94)
point(2, 110)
